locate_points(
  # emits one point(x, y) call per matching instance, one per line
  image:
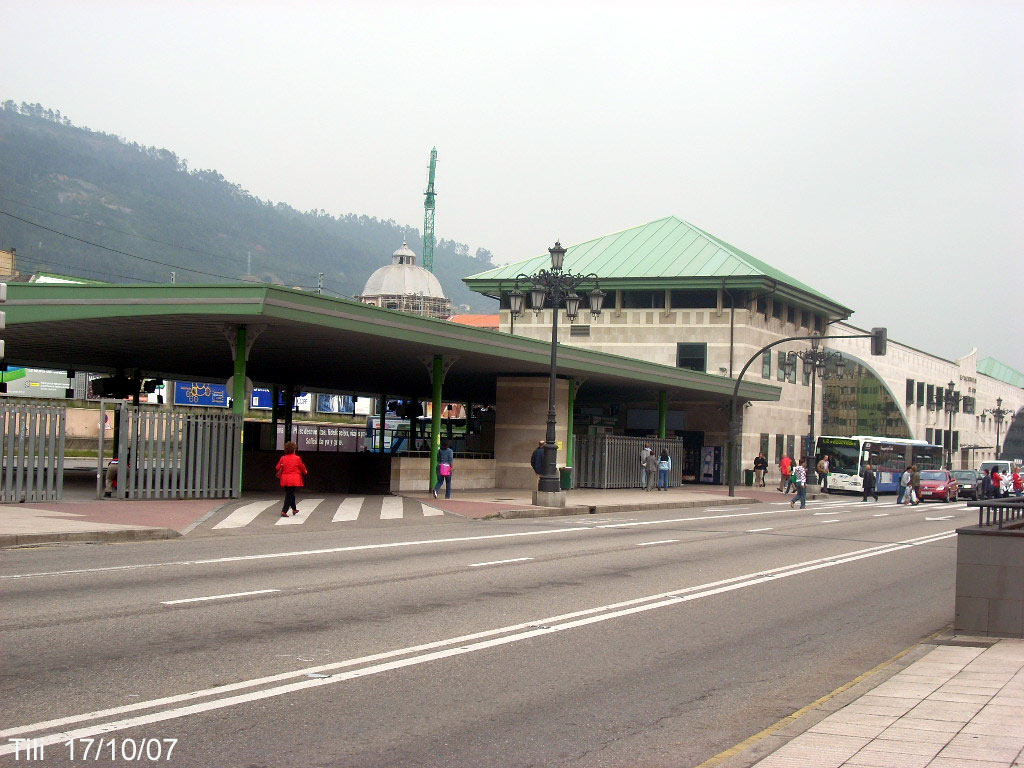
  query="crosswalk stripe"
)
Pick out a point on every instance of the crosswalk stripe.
point(245, 514)
point(429, 511)
point(306, 506)
point(390, 507)
point(348, 509)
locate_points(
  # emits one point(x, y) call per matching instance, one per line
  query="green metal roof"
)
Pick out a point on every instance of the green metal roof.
point(667, 253)
point(992, 367)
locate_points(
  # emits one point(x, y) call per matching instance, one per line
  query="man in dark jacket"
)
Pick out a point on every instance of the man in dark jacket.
point(537, 460)
point(760, 466)
point(870, 487)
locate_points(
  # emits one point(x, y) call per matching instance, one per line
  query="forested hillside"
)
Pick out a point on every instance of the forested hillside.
point(154, 215)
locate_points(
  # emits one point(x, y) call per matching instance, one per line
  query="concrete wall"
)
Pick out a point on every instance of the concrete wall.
point(410, 474)
point(522, 409)
point(990, 582)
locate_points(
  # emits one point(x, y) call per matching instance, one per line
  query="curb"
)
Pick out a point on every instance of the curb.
point(510, 514)
point(90, 537)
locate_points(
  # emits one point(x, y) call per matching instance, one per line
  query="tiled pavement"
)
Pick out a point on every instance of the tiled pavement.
point(957, 707)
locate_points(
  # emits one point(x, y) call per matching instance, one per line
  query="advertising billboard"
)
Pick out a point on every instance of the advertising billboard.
point(200, 394)
point(262, 399)
point(36, 382)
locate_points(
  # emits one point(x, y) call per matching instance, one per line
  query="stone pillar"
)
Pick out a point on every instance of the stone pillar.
point(521, 414)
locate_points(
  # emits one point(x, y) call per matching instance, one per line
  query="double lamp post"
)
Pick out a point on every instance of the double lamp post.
point(552, 287)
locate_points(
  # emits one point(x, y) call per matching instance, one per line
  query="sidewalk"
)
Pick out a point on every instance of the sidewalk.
point(955, 702)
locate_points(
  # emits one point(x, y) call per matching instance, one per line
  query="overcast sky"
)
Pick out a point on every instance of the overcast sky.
point(871, 149)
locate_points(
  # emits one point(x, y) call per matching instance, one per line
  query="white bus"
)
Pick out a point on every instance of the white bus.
point(888, 457)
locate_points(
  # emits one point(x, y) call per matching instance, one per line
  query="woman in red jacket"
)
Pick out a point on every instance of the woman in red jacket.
point(290, 469)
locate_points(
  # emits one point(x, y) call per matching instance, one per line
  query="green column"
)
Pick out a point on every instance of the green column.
point(662, 413)
point(238, 382)
point(569, 442)
point(437, 377)
point(380, 432)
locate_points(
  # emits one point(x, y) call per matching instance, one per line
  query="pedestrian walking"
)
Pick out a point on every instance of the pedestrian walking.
point(998, 483)
point(445, 464)
point(664, 465)
point(643, 465)
point(651, 462)
point(800, 483)
point(986, 485)
point(290, 470)
point(785, 467)
point(915, 485)
point(822, 470)
point(760, 467)
point(904, 484)
point(870, 486)
point(1017, 482)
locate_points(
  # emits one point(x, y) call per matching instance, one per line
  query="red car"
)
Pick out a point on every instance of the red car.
point(939, 484)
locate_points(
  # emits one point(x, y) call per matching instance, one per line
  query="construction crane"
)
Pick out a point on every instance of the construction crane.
point(428, 215)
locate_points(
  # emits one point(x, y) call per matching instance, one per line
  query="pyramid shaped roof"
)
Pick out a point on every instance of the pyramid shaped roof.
point(666, 253)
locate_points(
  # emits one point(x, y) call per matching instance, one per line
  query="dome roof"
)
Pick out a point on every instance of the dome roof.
point(403, 278)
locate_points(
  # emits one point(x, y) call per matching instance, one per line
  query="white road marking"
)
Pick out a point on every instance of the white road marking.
point(881, 514)
point(652, 543)
point(501, 562)
point(462, 645)
point(830, 512)
point(348, 510)
point(944, 517)
point(390, 507)
point(829, 521)
point(306, 506)
point(429, 511)
point(759, 530)
point(217, 597)
point(245, 514)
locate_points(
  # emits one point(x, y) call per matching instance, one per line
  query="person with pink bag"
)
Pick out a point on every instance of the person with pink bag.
point(445, 463)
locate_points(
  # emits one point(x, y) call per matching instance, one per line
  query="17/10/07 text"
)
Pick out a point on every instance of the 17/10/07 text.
point(129, 750)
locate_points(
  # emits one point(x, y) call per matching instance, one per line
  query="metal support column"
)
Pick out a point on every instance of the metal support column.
point(662, 413)
point(570, 443)
point(437, 378)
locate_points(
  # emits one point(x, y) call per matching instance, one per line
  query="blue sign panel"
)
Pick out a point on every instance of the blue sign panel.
point(262, 398)
point(197, 393)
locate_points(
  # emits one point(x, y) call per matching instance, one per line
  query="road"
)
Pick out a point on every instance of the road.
point(653, 639)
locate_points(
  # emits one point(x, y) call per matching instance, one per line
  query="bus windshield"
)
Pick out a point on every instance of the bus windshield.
point(844, 454)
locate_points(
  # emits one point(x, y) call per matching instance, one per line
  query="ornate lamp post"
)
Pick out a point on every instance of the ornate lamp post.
point(554, 286)
point(998, 414)
point(952, 405)
point(819, 360)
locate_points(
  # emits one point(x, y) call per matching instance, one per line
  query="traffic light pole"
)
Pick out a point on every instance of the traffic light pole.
point(878, 346)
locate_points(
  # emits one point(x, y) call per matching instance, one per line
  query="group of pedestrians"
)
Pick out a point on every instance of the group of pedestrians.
point(654, 469)
point(910, 486)
point(996, 485)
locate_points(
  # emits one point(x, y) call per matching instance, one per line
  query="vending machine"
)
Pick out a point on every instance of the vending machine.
point(711, 464)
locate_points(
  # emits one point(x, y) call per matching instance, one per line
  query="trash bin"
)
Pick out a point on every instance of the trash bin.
point(748, 477)
point(565, 478)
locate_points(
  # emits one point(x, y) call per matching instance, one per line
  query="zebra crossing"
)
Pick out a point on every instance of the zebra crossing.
point(350, 509)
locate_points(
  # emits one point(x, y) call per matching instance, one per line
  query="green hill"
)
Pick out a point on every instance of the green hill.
point(155, 216)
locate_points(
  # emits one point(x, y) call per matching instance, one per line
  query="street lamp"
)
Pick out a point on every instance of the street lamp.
point(998, 414)
point(818, 360)
point(952, 405)
point(554, 286)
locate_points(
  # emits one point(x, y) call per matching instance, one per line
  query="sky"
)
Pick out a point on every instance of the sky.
point(871, 149)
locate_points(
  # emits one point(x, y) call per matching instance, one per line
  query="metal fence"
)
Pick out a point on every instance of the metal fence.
point(33, 452)
point(178, 454)
point(613, 461)
point(1008, 512)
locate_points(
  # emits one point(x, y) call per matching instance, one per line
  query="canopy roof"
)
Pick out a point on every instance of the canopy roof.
point(325, 344)
point(667, 253)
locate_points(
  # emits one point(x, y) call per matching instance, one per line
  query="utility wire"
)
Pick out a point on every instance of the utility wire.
point(196, 251)
point(125, 253)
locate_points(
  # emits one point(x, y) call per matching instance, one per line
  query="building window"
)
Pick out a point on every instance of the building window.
point(781, 362)
point(805, 319)
point(940, 394)
point(968, 404)
point(920, 393)
point(819, 323)
point(780, 446)
point(791, 315)
point(692, 356)
point(643, 299)
point(763, 447)
point(910, 391)
point(931, 398)
point(762, 306)
point(766, 365)
point(956, 440)
point(791, 446)
point(777, 309)
point(929, 434)
point(694, 299)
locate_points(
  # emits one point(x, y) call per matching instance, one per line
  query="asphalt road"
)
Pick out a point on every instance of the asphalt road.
point(653, 639)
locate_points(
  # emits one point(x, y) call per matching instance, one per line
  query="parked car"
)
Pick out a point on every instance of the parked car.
point(939, 484)
point(969, 481)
